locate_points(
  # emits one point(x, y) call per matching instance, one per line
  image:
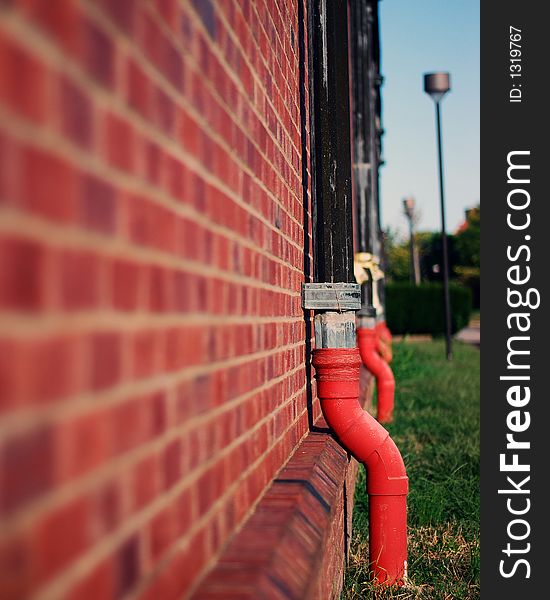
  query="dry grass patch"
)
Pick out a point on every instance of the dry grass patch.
point(437, 430)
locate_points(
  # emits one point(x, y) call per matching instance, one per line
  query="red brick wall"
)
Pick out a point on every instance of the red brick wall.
point(152, 356)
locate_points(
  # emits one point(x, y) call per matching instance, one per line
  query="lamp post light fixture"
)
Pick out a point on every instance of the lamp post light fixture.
point(437, 85)
point(408, 209)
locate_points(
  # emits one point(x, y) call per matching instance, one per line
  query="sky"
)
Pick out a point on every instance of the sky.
point(416, 38)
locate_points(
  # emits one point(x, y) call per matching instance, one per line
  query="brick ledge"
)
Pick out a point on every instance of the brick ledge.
point(293, 545)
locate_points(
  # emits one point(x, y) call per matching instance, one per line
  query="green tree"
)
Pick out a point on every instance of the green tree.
point(398, 257)
point(467, 239)
point(468, 250)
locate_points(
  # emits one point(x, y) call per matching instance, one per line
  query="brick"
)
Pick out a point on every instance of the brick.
point(177, 575)
point(119, 142)
point(127, 566)
point(160, 296)
point(9, 375)
point(60, 537)
point(98, 207)
point(108, 508)
point(176, 175)
point(145, 481)
point(27, 467)
point(183, 290)
point(172, 463)
point(96, 584)
point(183, 512)
point(49, 185)
point(41, 358)
point(147, 354)
point(49, 382)
point(168, 10)
point(130, 426)
point(151, 225)
point(135, 421)
point(81, 280)
point(23, 81)
point(106, 351)
point(161, 51)
point(127, 284)
point(9, 169)
point(83, 443)
point(152, 162)
point(122, 13)
point(59, 20)
point(158, 411)
point(164, 111)
point(15, 568)
point(19, 256)
point(190, 134)
point(162, 532)
point(97, 53)
point(76, 113)
point(139, 89)
point(209, 487)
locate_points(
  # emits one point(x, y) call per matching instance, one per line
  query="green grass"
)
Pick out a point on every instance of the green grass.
point(437, 430)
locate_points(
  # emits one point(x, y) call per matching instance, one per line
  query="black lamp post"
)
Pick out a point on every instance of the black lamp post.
point(437, 85)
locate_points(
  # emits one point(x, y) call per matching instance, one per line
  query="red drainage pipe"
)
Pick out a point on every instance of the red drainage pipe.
point(384, 349)
point(337, 373)
point(367, 340)
point(384, 332)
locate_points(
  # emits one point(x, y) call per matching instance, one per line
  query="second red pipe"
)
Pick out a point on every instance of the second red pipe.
point(367, 340)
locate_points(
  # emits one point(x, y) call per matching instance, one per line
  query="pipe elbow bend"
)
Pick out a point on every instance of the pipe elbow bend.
point(371, 445)
point(384, 332)
point(367, 340)
point(384, 349)
point(338, 390)
point(368, 348)
point(386, 471)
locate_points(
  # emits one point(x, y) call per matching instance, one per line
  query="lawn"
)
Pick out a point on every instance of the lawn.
point(437, 430)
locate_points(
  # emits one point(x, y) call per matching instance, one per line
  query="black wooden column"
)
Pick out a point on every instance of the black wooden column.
point(377, 130)
point(361, 122)
point(367, 130)
point(332, 199)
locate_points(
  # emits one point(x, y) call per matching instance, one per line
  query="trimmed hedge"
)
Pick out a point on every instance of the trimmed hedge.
point(420, 309)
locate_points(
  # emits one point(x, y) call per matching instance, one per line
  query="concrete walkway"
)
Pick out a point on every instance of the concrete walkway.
point(470, 334)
